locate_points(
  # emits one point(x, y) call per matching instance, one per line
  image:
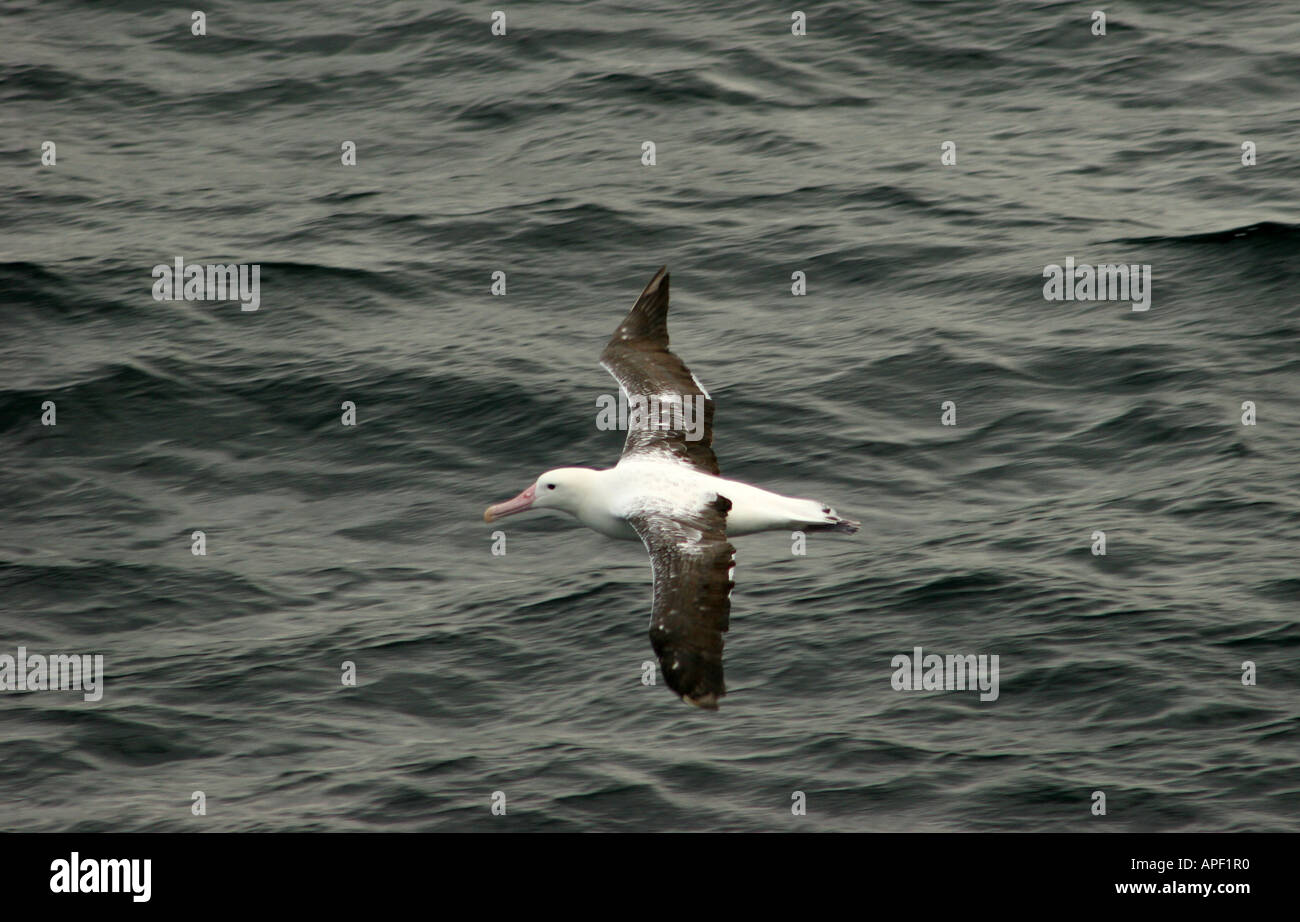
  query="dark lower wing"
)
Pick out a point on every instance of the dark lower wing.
point(693, 566)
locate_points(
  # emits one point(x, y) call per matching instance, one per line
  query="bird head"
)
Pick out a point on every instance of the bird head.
point(558, 489)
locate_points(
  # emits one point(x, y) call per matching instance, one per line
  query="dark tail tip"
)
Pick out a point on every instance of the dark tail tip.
point(843, 526)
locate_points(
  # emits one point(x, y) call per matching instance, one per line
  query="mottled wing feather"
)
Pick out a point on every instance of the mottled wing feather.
point(639, 359)
point(693, 566)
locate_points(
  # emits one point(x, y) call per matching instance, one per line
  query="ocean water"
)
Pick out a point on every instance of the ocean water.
point(775, 154)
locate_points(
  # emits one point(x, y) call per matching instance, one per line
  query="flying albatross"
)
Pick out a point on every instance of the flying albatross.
point(667, 491)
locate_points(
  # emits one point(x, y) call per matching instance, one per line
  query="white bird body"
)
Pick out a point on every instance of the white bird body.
point(603, 499)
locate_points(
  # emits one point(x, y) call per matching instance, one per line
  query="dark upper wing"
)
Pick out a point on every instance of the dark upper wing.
point(693, 565)
point(639, 359)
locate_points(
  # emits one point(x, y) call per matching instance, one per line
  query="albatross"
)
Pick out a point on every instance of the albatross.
point(668, 492)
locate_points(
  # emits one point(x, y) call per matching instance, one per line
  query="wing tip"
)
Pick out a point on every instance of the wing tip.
point(648, 318)
point(660, 281)
point(705, 702)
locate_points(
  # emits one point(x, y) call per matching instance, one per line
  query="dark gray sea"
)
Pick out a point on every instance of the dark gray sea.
point(775, 154)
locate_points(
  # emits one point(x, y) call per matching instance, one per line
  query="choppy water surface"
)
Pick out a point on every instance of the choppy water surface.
point(775, 154)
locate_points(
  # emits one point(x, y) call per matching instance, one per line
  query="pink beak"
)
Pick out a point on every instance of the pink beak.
point(511, 506)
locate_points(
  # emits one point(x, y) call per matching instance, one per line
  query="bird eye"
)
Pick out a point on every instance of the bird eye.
point(550, 486)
